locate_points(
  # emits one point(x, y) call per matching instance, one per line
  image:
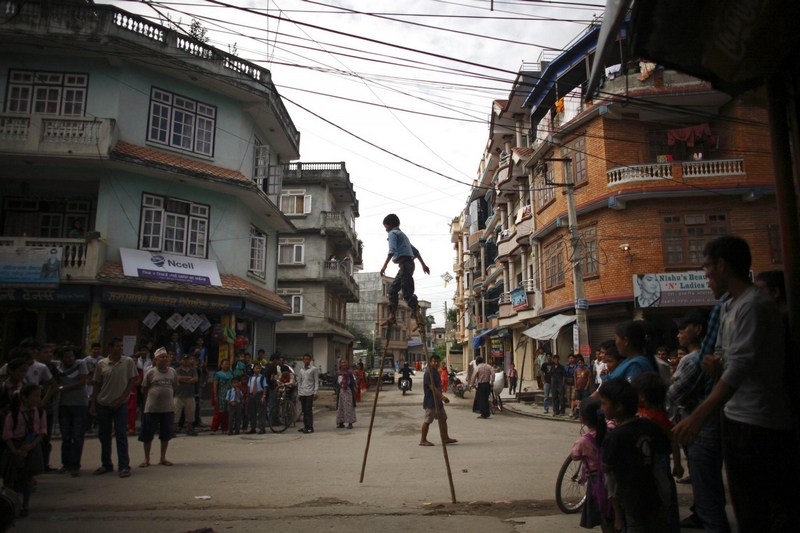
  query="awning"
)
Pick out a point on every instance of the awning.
point(549, 328)
point(613, 18)
point(478, 339)
point(414, 344)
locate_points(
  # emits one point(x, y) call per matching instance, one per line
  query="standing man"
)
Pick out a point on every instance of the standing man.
point(569, 382)
point(430, 390)
point(184, 396)
point(307, 388)
point(43, 373)
point(158, 386)
point(547, 368)
point(541, 359)
point(174, 346)
point(96, 354)
point(73, 413)
point(757, 435)
point(271, 371)
point(484, 378)
point(114, 378)
point(558, 378)
point(257, 392)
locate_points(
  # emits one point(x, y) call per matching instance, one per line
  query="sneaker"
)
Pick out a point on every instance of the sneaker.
point(339, 426)
point(63, 470)
point(191, 433)
point(102, 470)
point(75, 473)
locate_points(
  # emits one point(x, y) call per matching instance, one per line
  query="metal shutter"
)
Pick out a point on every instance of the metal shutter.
point(265, 337)
point(602, 329)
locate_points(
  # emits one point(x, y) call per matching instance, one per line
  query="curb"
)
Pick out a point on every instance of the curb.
point(517, 411)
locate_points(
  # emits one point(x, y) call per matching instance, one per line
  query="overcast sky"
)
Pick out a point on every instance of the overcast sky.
point(430, 117)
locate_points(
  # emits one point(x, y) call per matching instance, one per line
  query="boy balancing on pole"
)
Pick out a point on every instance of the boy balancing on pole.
point(403, 254)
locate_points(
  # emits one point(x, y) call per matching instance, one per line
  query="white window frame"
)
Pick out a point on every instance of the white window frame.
point(182, 123)
point(260, 160)
point(289, 207)
point(24, 87)
point(298, 251)
point(258, 253)
point(296, 300)
point(153, 226)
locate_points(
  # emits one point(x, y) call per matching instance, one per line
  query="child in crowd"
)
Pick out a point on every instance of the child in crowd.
point(652, 394)
point(24, 428)
point(597, 511)
point(628, 453)
point(612, 360)
point(241, 366)
point(583, 378)
point(235, 399)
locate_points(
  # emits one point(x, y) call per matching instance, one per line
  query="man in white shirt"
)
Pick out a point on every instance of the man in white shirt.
point(307, 388)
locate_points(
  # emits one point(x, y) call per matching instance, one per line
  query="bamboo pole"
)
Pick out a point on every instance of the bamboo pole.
point(374, 407)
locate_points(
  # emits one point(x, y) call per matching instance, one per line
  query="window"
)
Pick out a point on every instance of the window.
point(546, 193)
point(295, 202)
point(775, 243)
point(174, 226)
point(50, 226)
point(590, 260)
point(260, 160)
point(686, 235)
point(294, 299)
point(181, 123)
point(47, 93)
point(290, 251)
point(575, 169)
point(258, 252)
point(554, 265)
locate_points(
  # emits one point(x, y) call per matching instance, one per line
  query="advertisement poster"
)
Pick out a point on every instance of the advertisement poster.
point(151, 320)
point(169, 267)
point(672, 289)
point(30, 265)
point(519, 299)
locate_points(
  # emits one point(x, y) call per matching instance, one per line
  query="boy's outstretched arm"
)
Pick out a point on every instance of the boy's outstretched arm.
point(421, 262)
point(386, 263)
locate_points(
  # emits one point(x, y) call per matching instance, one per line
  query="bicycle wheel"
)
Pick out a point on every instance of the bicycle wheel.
point(288, 414)
point(570, 494)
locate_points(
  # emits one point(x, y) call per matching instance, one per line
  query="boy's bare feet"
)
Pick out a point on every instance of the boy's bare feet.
point(426, 443)
point(448, 440)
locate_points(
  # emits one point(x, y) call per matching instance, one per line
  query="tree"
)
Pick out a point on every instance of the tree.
point(197, 31)
point(452, 315)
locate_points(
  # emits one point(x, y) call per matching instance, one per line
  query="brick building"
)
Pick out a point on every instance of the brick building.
point(661, 163)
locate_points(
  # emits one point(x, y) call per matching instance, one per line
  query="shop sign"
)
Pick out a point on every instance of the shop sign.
point(672, 289)
point(31, 265)
point(519, 299)
point(497, 348)
point(169, 301)
point(169, 267)
point(63, 295)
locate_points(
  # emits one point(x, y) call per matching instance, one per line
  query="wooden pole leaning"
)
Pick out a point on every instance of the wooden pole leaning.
point(374, 408)
point(421, 324)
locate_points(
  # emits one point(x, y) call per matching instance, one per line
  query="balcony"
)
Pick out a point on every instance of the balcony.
point(711, 168)
point(524, 228)
point(336, 225)
point(46, 134)
point(508, 244)
point(639, 173)
point(80, 260)
point(529, 285)
point(333, 273)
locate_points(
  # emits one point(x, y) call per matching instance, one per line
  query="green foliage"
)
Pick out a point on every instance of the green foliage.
point(452, 315)
point(197, 31)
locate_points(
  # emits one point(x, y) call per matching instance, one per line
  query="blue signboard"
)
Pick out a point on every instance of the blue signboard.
point(519, 299)
point(62, 295)
point(30, 265)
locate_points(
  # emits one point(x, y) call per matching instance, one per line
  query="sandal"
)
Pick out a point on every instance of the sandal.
point(165, 463)
point(102, 470)
point(144, 464)
point(125, 472)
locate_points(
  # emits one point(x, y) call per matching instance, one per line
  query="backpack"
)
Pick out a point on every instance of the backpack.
point(599, 489)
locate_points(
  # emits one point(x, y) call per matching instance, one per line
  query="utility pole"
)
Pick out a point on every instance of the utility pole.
point(581, 305)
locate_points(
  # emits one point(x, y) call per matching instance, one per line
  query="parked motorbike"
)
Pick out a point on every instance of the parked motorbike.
point(457, 385)
point(405, 385)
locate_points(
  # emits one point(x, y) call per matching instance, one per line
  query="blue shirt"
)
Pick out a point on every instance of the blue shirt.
point(630, 368)
point(400, 247)
point(234, 395)
point(260, 383)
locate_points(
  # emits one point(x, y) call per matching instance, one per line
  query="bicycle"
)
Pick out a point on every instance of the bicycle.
point(571, 484)
point(282, 415)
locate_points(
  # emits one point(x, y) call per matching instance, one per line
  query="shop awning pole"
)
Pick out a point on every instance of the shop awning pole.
point(522, 369)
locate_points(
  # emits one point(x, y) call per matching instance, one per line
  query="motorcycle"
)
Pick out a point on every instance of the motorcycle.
point(457, 385)
point(405, 385)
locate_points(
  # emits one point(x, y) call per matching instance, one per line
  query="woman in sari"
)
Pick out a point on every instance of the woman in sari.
point(345, 383)
point(223, 380)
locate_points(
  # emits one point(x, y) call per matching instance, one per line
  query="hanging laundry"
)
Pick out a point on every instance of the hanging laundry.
point(692, 135)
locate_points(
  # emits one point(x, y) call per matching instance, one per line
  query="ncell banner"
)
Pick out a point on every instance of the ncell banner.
point(168, 267)
point(672, 289)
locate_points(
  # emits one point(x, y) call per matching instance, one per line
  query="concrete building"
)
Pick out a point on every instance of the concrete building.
point(661, 164)
point(404, 341)
point(316, 263)
point(146, 166)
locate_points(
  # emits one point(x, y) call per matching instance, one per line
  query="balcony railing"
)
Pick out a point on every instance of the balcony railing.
point(73, 135)
point(338, 221)
point(80, 260)
point(529, 285)
point(712, 168)
point(336, 271)
point(636, 173)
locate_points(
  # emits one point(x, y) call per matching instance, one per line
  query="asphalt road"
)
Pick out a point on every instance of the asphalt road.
point(503, 468)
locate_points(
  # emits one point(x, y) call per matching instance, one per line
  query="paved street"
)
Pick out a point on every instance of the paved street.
point(307, 482)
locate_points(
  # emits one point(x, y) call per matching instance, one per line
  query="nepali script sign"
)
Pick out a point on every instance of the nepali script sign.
point(32, 266)
point(168, 267)
point(672, 289)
